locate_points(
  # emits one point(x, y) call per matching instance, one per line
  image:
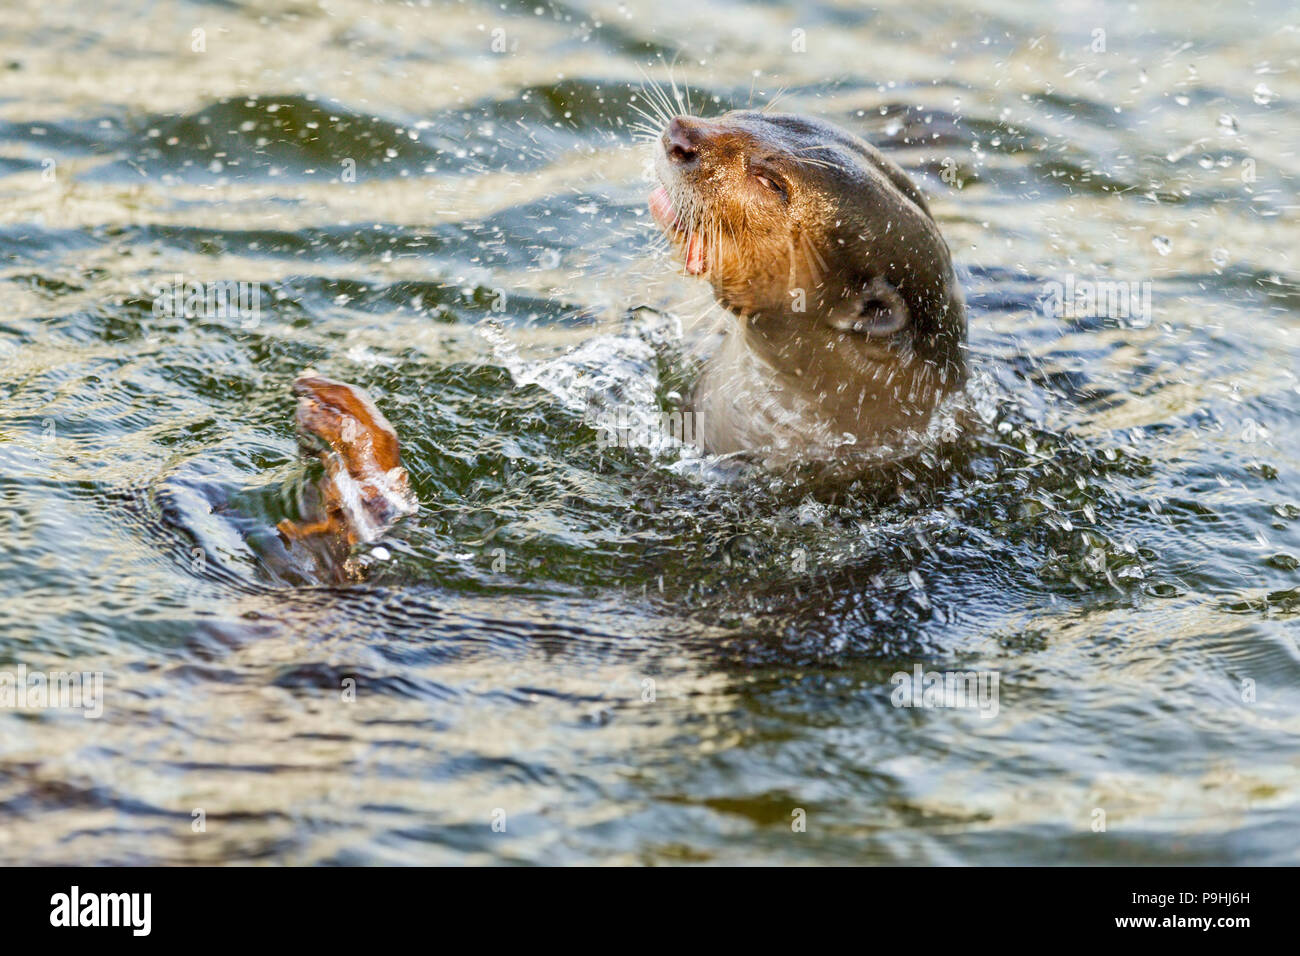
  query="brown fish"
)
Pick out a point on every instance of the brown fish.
point(364, 489)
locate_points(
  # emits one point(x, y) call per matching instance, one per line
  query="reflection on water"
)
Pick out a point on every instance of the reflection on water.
point(628, 656)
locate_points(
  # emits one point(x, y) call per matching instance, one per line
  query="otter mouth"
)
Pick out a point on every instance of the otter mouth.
point(691, 241)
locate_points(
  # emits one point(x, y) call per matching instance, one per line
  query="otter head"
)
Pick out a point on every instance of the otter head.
point(815, 239)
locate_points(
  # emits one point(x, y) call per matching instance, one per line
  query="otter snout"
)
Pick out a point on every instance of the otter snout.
point(679, 141)
point(692, 151)
point(688, 140)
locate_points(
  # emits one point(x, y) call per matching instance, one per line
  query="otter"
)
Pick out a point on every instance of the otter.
point(852, 325)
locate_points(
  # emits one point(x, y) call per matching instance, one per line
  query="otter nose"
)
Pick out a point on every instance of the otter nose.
point(680, 141)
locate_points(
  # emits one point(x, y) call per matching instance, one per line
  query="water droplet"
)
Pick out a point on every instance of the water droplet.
point(1219, 257)
point(1227, 124)
point(1164, 245)
point(1263, 95)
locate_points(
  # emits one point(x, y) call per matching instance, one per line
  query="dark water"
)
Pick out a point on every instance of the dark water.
point(629, 657)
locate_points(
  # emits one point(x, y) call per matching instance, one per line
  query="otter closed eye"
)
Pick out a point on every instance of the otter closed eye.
point(769, 183)
point(852, 326)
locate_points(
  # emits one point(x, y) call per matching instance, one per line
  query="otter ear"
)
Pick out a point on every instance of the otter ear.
point(877, 310)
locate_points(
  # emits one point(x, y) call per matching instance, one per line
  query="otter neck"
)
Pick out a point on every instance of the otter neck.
point(859, 384)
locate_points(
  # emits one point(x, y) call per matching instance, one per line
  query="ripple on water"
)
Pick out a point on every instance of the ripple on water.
point(634, 653)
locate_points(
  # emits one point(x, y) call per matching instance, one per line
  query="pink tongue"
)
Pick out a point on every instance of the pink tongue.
point(661, 207)
point(695, 254)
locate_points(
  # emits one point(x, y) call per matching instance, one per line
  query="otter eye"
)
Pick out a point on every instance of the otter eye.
point(769, 182)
